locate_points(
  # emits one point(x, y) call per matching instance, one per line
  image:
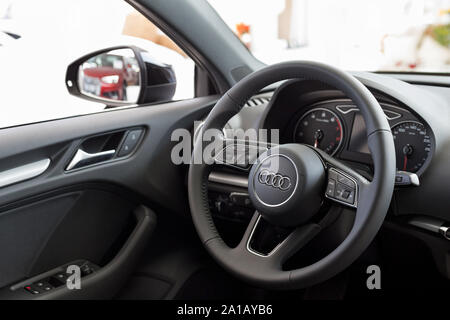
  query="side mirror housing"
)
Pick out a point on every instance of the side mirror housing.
point(160, 79)
point(120, 76)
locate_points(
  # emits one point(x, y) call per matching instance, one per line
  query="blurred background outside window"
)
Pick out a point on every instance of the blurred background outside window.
point(362, 35)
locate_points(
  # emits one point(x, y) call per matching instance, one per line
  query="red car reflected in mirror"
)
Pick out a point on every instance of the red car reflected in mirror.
point(108, 76)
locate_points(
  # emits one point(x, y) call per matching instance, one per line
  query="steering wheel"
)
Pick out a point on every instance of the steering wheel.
point(288, 183)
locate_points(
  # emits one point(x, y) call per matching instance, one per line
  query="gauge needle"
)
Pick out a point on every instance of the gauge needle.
point(407, 151)
point(318, 135)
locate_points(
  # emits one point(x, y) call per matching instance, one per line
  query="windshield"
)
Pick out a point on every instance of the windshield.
point(363, 35)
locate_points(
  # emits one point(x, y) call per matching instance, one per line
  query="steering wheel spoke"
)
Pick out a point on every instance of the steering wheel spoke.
point(249, 231)
point(344, 185)
point(296, 240)
point(283, 246)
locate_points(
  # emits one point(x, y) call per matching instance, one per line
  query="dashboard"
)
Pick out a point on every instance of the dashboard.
point(310, 112)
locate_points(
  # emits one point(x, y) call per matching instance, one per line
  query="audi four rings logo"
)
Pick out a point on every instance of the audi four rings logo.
point(274, 180)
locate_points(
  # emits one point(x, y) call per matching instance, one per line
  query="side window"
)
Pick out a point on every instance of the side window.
point(40, 39)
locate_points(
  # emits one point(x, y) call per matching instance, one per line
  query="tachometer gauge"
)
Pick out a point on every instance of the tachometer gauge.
point(412, 145)
point(320, 128)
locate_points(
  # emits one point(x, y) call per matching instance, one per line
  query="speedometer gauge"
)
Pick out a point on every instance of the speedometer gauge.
point(320, 128)
point(412, 145)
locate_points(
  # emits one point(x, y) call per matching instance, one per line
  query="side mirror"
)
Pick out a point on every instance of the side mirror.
point(121, 76)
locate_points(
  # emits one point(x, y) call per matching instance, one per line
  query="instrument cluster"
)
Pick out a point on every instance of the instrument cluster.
point(338, 128)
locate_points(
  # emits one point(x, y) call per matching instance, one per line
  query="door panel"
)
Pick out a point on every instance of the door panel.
point(24, 232)
point(61, 216)
point(40, 236)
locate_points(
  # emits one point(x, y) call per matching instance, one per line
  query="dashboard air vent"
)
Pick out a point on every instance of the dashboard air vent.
point(257, 101)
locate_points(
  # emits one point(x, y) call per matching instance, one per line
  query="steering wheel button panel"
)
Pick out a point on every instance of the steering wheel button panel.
point(344, 194)
point(341, 188)
point(346, 181)
point(331, 187)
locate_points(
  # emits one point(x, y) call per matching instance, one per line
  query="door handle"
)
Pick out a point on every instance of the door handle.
point(83, 158)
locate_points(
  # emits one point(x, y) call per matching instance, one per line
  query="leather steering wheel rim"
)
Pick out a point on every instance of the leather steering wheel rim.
point(373, 197)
